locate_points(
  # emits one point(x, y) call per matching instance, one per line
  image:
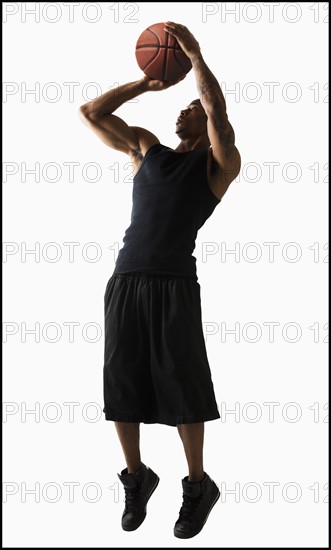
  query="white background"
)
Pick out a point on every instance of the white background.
point(49, 366)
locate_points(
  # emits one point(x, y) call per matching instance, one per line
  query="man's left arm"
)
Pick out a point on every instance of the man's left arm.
point(220, 131)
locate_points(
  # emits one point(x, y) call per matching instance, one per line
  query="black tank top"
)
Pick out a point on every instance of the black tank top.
point(171, 200)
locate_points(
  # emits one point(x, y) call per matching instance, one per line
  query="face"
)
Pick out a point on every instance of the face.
point(191, 121)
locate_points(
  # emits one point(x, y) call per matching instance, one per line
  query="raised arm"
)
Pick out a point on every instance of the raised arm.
point(219, 129)
point(98, 115)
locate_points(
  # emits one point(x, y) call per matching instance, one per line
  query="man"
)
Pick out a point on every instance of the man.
point(156, 368)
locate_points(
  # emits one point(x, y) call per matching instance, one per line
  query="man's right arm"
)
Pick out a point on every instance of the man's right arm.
point(112, 130)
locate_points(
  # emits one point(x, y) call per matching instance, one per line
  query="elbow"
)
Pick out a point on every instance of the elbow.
point(86, 113)
point(83, 111)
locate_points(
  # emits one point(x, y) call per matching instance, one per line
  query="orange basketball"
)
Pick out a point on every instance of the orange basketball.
point(160, 56)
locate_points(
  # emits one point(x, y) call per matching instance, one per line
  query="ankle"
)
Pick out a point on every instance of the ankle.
point(133, 468)
point(196, 476)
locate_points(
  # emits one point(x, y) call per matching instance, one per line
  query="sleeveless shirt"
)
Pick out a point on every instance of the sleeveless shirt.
point(171, 200)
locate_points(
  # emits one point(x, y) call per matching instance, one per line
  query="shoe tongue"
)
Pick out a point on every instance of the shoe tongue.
point(128, 480)
point(191, 488)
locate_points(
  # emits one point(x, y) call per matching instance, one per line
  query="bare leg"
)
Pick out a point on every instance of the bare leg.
point(129, 433)
point(192, 438)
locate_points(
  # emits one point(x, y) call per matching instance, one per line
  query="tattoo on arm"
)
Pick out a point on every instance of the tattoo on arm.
point(207, 84)
point(226, 136)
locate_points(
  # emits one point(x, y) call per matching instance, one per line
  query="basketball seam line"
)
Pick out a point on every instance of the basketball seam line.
point(151, 60)
point(156, 36)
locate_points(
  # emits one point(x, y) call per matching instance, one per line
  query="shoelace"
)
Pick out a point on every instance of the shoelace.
point(131, 494)
point(189, 506)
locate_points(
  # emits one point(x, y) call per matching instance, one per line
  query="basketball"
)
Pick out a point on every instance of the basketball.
point(160, 56)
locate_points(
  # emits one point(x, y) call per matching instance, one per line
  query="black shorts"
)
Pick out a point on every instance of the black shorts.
point(156, 368)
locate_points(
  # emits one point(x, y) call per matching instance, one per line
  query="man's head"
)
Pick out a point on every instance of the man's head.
point(192, 121)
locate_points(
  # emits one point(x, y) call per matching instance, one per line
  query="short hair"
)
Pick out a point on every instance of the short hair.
point(198, 102)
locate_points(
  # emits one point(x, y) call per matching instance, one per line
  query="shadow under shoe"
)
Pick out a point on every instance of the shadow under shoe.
point(199, 497)
point(138, 489)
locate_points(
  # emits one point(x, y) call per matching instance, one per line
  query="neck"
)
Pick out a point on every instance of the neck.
point(191, 144)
